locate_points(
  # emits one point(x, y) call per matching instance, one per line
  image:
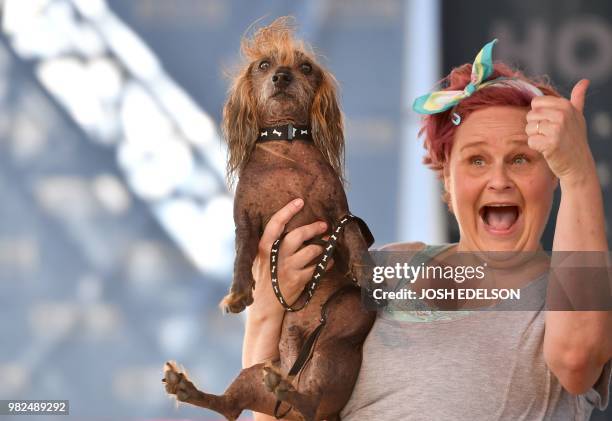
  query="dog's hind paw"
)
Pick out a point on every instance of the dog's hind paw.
point(178, 384)
point(276, 383)
point(235, 302)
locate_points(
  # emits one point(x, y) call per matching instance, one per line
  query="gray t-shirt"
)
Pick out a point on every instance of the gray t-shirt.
point(478, 365)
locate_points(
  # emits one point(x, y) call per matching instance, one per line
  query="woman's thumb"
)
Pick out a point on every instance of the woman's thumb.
point(579, 94)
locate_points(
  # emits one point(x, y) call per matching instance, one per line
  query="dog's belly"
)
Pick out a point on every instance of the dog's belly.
point(337, 351)
point(309, 318)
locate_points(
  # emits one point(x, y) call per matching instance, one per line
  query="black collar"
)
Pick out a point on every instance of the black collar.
point(287, 132)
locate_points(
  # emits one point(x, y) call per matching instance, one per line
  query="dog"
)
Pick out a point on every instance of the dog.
point(285, 137)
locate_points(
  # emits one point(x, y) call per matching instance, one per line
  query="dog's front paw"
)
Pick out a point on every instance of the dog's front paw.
point(178, 384)
point(235, 302)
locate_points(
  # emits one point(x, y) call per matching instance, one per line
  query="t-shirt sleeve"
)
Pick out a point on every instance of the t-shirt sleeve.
point(599, 394)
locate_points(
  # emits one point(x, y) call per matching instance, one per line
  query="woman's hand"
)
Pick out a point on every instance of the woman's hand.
point(294, 270)
point(557, 129)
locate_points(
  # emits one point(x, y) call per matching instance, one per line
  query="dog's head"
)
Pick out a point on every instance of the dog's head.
point(280, 83)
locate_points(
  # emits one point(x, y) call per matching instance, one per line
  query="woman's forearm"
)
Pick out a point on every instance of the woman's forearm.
point(580, 221)
point(578, 343)
point(261, 338)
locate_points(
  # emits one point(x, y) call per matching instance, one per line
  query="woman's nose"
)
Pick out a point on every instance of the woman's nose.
point(500, 179)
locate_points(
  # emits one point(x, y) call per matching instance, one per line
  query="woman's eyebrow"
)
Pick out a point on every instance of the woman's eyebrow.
point(518, 138)
point(472, 144)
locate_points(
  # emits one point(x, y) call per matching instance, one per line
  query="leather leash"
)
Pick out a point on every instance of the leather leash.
point(312, 285)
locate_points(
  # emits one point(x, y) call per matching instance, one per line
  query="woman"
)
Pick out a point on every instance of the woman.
point(502, 144)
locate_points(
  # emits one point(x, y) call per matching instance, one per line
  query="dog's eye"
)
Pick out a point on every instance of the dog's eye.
point(306, 68)
point(264, 65)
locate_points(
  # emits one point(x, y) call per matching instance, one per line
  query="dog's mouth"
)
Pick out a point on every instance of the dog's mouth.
point(281, 94)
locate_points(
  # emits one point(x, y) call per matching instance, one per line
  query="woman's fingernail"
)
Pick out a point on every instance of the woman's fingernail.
point(322, 225)
point(298, 203)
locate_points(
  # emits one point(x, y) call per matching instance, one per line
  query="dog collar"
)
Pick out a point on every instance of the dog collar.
point(287, 132)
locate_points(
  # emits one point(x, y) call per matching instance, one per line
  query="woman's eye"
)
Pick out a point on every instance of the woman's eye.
point(264, 65)
point(519, 160)
point(306, 68)
point(477, 161)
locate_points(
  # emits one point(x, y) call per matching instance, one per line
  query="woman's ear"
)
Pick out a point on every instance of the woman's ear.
point(239, 123)
point(446, 177)
point(446, 182)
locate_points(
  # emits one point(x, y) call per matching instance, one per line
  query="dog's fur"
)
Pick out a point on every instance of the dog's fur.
point(270, 176)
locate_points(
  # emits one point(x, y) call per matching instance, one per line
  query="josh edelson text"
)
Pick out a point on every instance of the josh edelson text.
point(409, 274)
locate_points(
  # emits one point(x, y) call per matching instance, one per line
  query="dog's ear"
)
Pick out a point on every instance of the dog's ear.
point(327, 123)
point(239, 123)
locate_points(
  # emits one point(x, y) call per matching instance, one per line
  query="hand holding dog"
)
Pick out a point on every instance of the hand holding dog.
point(295, 263)
point(557, 129)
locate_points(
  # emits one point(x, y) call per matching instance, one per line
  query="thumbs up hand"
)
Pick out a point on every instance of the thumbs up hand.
point(557, 129)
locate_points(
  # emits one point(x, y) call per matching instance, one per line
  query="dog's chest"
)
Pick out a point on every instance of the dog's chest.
point(290, 168)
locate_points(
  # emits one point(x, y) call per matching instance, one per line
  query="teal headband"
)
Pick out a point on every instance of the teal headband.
point(440, 101)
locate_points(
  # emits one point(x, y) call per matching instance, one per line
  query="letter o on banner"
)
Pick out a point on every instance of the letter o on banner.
point(591, 29)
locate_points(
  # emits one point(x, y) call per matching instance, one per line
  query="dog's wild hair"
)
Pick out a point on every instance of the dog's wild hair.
point(240, 125)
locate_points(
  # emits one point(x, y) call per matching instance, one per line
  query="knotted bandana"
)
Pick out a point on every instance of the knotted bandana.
point(440, 101)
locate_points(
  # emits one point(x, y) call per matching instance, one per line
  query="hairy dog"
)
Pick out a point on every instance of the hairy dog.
point(285, 134)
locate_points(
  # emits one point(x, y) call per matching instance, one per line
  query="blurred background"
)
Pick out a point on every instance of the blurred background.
point(116, 230)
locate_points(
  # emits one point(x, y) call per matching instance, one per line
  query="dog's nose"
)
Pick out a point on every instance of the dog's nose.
point(282, 77)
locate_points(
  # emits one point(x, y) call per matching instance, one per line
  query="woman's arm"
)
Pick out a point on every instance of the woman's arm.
point(265, 315)
point(576, 343)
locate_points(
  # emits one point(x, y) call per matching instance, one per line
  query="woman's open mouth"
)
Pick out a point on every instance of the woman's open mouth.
point(500, 218)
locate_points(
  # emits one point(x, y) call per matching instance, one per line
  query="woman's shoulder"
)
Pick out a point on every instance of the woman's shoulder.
point(411, 246)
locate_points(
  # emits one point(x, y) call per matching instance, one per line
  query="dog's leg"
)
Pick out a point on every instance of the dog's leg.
point(283, 390)
point(326, 381)
point(247, 240)
point(354, 250)
point(247, 391)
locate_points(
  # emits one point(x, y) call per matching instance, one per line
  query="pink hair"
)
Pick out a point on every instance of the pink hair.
point(439, 130)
